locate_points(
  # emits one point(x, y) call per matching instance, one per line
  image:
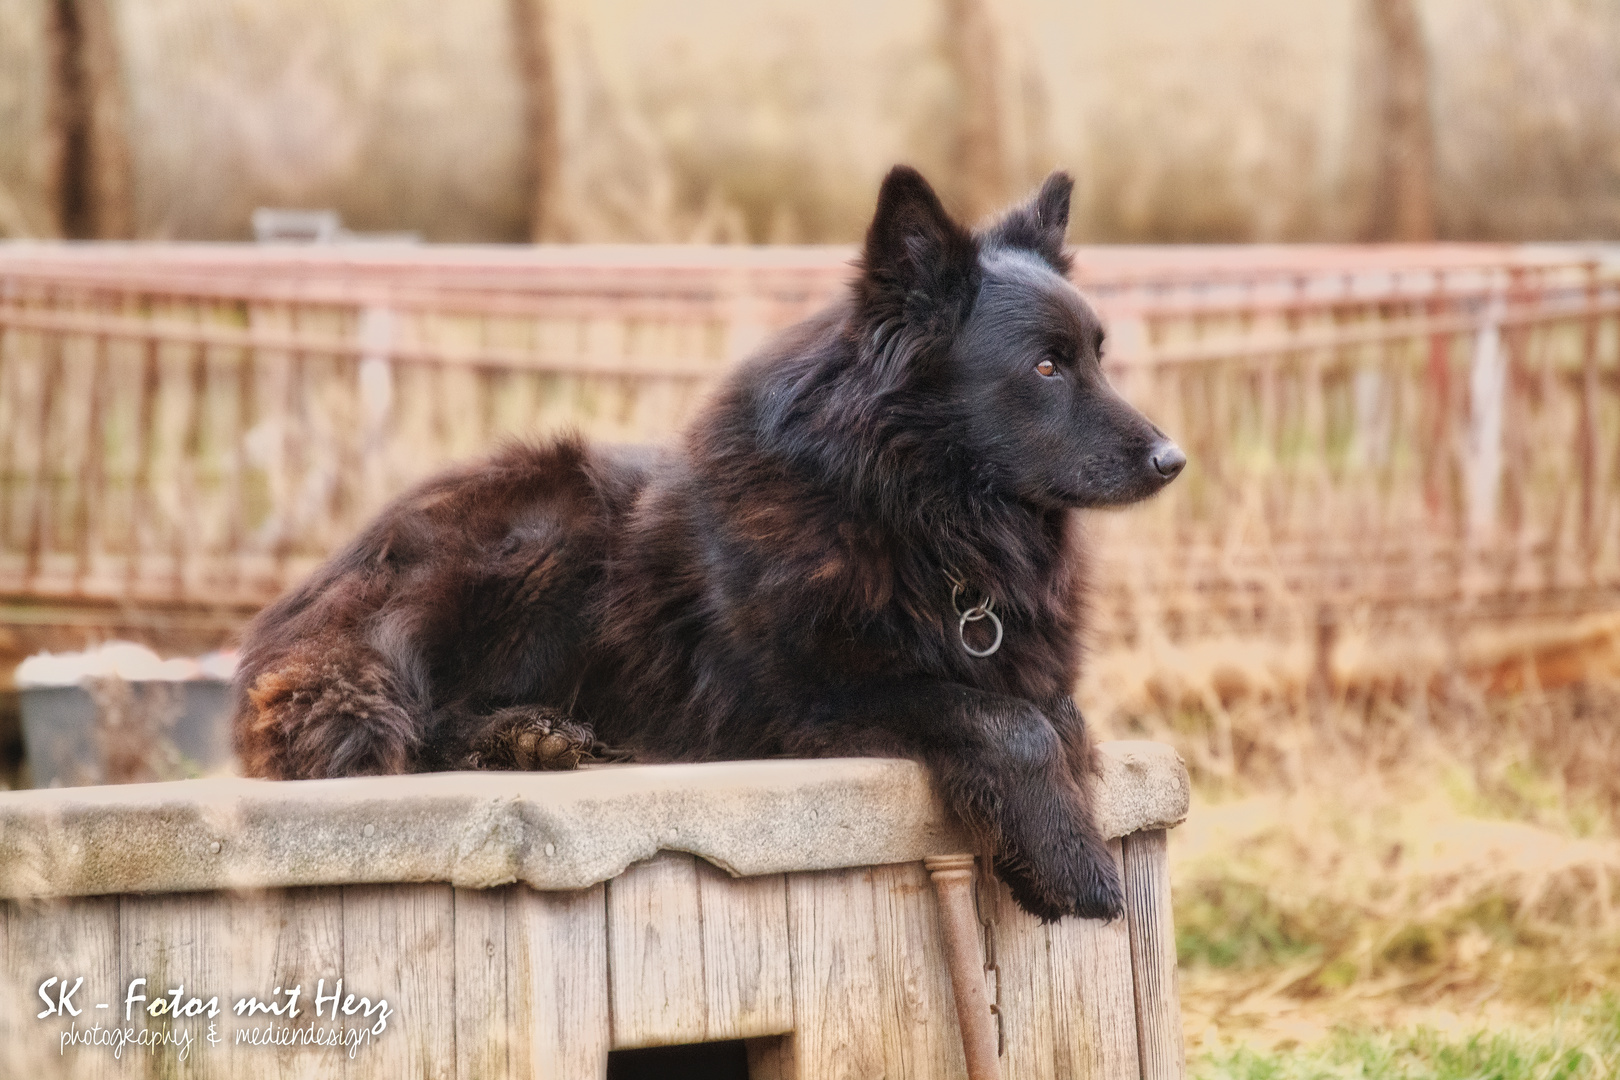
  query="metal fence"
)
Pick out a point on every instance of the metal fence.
point(188, 429)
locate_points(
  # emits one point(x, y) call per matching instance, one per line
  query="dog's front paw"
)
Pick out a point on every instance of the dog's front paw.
point(1084, 882)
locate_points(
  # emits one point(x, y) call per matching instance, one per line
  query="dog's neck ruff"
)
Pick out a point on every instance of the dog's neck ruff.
point(982, 610)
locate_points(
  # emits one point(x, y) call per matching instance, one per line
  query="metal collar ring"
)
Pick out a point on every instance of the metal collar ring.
point(973, 614)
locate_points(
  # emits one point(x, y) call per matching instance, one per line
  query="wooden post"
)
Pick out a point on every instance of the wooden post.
point(1396, 83)
point(1153, 957)
point(531, 28)
point(90, 155)
point(953, 884)
point(1437, 395)
point(978, 150)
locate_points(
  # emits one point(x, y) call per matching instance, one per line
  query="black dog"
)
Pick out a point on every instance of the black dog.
point(865, 546)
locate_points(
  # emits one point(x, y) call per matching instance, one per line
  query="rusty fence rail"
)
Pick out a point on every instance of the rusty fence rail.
point(187, 429)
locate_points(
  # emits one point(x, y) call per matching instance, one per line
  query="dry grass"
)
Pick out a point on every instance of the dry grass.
point(1439, 851)
point(1390, 704)
point(1300, 913)
point(134, 725)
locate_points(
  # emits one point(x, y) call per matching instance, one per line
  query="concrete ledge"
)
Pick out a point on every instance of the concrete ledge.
point(551, 830)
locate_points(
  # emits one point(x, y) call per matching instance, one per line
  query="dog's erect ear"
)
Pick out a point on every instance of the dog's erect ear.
point(918, 262)
point(1040, 224)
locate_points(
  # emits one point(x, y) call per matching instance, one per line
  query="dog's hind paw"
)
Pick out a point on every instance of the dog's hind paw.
point(534, 737)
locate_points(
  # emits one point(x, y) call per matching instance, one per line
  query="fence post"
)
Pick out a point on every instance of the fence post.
point(1586, 439)
point(1486, 379)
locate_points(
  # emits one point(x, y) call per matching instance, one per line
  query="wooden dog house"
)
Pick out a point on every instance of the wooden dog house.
point(532, 924)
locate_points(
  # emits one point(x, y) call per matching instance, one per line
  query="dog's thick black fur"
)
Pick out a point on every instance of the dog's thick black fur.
point(782, 583)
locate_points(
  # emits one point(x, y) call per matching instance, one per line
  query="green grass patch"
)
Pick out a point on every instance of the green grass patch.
point(1237, 924)
point(1575, 1045)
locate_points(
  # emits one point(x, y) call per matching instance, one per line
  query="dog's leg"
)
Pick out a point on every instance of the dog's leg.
point(1076, 739)
point(1003, 767)
point(528, 737)
point(320, 712)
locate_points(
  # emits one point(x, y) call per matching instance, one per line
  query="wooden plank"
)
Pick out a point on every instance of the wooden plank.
point(1094, 1004)
point(1153, 956)
point(557, 972)
point(1026, 989)
point(921, 1033)
point(282, 938)
point(481, 996)
point(655, 953)
point(398, 947)
point(69, 939)
point(176, 941)
point(837, 996)
point(747, 979)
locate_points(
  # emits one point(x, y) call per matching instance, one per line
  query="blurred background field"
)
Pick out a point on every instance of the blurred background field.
point(1379, 614)
point(633, 120)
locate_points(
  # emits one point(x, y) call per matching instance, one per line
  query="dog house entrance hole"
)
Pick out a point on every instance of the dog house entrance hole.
point(690, 1061)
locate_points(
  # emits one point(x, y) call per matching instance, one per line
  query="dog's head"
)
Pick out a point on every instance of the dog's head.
point(989, 326)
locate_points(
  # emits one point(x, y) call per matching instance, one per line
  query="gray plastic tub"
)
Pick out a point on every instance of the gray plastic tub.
point(90, 718)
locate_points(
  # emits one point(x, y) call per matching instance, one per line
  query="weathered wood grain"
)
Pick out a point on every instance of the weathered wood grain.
point(398, 945)
point(482, 1020)
point(557, 969)
point(1153, 956)
point(177, 943)
point(921, 1036)
point(837, 996)
point(655, 954)
point(1028, 1021)
point(174, 942)
point(1093, 1002)
point(282, 938)
point(58, 939)
point(836, 974)
point(747, 976)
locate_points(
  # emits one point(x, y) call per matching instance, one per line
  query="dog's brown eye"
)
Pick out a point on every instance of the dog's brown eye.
point(1047, 368)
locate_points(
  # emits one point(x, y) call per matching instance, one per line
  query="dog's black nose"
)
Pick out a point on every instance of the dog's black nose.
point(1169, 460)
